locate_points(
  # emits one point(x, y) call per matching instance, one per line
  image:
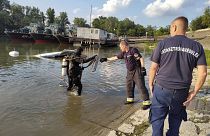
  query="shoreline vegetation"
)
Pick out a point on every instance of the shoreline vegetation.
point(14, 17)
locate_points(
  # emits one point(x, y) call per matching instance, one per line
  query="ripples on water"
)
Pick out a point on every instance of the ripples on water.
point(33, 104)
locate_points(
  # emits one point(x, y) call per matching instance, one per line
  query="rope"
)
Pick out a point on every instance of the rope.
point(95, 64)
point(90, 63)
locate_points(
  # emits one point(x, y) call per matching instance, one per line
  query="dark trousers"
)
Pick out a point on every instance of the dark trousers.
point(74, 78)
point(134, 78)
point(167, 102)
point(76, 82)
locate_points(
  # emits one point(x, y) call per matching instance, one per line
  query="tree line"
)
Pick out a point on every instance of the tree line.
point(202, 21)
point(14, 17)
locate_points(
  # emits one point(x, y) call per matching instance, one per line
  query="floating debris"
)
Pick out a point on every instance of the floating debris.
point(14, 53)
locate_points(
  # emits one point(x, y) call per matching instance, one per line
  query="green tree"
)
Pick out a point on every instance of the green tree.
point(4, 5)
point(140, 30)
point(35, 15)
point(128, 23)
point(197, 24)
point(124, 27)
point(201, 22)
point(32, 15)
point(128, 27)
point(131, 32)
point(62, 20)
point(121, 30)
point(100, 22)
point(5, 20)
point(110, 24)
point(162, 31)
point(42, 17)
point(50, 16)
point(206, 17)
point(17, 15)
point(80, 22)
point(96, 23)
point(150, 30)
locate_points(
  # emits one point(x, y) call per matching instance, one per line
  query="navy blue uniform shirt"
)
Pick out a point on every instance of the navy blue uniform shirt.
point(129, 57)
point(177, 56)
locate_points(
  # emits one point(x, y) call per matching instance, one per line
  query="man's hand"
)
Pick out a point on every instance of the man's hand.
point(190, 97)
point(143, 71)
point(103, 60)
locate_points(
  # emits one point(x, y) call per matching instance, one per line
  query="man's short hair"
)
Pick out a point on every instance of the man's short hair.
point(184, 20)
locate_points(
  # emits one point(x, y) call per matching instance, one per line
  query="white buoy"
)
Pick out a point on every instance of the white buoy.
point(14, 53)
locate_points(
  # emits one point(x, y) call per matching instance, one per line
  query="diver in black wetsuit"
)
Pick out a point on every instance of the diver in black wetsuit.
point(75, 70)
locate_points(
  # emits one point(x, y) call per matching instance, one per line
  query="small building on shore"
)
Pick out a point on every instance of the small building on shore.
point(96, 35)
point(91, 33)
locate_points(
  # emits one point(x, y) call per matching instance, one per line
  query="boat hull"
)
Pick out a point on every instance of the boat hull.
point(64, 39)
point(19, 37)
point(44, 38)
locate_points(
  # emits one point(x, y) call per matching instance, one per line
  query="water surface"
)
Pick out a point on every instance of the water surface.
point(33, 104)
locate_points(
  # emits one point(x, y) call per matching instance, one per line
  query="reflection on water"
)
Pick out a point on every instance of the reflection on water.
point(33, 104)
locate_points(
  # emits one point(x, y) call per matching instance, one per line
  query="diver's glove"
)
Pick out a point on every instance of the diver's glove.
point(103, 60)
point(143, 71)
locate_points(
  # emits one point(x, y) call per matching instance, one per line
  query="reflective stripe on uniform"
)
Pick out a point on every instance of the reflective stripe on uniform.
point(147, 102)
point(130, 99)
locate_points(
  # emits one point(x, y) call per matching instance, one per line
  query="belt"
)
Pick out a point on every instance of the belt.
point(171, 88)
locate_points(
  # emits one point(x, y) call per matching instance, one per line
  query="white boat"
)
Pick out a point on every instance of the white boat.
point(59, 54)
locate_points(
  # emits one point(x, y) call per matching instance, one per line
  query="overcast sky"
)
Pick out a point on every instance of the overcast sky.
point(144, 12)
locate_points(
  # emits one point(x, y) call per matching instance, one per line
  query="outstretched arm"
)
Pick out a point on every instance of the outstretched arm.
point(89, 59)
point(112, 58)
point(202, 73)
point(108, 59)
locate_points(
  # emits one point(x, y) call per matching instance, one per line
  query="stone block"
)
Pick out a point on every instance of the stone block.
point(193, 105)
point(207, 108)
point(201, 105)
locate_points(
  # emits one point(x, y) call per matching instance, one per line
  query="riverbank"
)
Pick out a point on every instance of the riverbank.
point(197, 125)
point(202, 36)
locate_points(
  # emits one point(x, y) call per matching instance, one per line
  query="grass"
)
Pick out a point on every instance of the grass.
point(150, 46)
point(140, 129)
point(207, 52)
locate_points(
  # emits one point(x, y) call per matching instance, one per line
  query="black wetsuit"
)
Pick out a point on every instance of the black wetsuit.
point(75, 72)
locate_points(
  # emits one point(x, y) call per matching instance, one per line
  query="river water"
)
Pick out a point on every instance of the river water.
point(33, 104)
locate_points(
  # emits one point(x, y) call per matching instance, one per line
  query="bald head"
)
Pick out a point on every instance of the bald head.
point(179, 26)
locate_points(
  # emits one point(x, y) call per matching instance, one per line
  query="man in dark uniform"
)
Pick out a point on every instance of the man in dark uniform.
point(75, 69)
point(173, 62)
point(135, 73)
